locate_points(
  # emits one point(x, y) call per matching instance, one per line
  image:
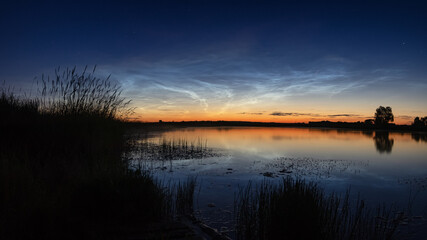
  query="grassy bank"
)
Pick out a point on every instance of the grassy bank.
point(295, 209)
point(61, 169)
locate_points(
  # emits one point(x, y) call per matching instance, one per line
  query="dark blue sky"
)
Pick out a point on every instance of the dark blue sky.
point(219, 59)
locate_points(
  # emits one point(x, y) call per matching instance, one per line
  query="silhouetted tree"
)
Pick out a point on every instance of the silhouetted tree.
point(383, 116)
point(420, 122)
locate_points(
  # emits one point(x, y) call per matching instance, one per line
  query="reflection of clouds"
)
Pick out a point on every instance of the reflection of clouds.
point(220, 82)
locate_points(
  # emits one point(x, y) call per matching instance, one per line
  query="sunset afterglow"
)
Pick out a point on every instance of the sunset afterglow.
point(284, 62)
point(213, 119)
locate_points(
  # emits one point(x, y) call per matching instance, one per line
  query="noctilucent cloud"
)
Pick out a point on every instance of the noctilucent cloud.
point(281, 61)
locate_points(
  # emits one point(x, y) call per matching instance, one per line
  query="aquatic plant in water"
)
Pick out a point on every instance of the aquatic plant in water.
point(295, 209)
point(163, 149)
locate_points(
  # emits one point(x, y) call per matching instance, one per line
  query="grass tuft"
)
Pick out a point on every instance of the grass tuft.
point(296, 209)
point(72, 93)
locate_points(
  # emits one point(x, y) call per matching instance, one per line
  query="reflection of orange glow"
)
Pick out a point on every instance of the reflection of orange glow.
point(237, 133)
point(309, 142)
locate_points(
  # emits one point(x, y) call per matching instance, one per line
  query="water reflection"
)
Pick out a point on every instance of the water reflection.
point(419, 137)
point(307, 142)
point(382, 142)
point(335, 158)
point(369, 134)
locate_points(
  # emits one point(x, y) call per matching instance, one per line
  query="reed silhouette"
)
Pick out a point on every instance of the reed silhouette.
point(295, 209)
point(62, 174)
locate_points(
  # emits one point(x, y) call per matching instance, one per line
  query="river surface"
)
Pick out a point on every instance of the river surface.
point(382, 167)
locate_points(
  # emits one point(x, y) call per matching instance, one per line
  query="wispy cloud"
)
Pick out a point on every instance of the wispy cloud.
point(252, 113)
point(191, 94)
point(344, 115)
point(405, 117)
point(283, 114)
point(295, 114)
point(225, 83)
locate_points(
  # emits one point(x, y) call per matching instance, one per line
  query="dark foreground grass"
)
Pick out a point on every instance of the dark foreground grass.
point(295, 209)
point(62, 175)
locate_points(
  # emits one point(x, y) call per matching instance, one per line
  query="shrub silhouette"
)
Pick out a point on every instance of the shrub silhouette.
point(420, 123)
point(383, 116)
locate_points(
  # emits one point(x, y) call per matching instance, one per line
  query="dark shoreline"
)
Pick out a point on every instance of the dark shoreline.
point(358, 126)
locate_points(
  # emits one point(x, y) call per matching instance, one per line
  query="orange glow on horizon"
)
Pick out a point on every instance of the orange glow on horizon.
point(271, 108)
point(254, 118)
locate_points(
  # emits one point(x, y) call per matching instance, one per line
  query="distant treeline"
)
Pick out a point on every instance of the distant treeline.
point(320, 124)
point(383, 117)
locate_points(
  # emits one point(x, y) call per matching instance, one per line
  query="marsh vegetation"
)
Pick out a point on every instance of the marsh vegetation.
point(295, 209)
point(171, 149)
point(62, 174)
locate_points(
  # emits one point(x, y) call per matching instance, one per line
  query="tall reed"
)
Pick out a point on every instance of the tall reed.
point(73, 93)
point(184, 199)
point(295, 209)
point(62, 174)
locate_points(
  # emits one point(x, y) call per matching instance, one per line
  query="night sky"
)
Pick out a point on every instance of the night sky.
point(281, 61)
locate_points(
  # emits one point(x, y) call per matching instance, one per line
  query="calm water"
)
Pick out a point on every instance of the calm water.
point(382, 167)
